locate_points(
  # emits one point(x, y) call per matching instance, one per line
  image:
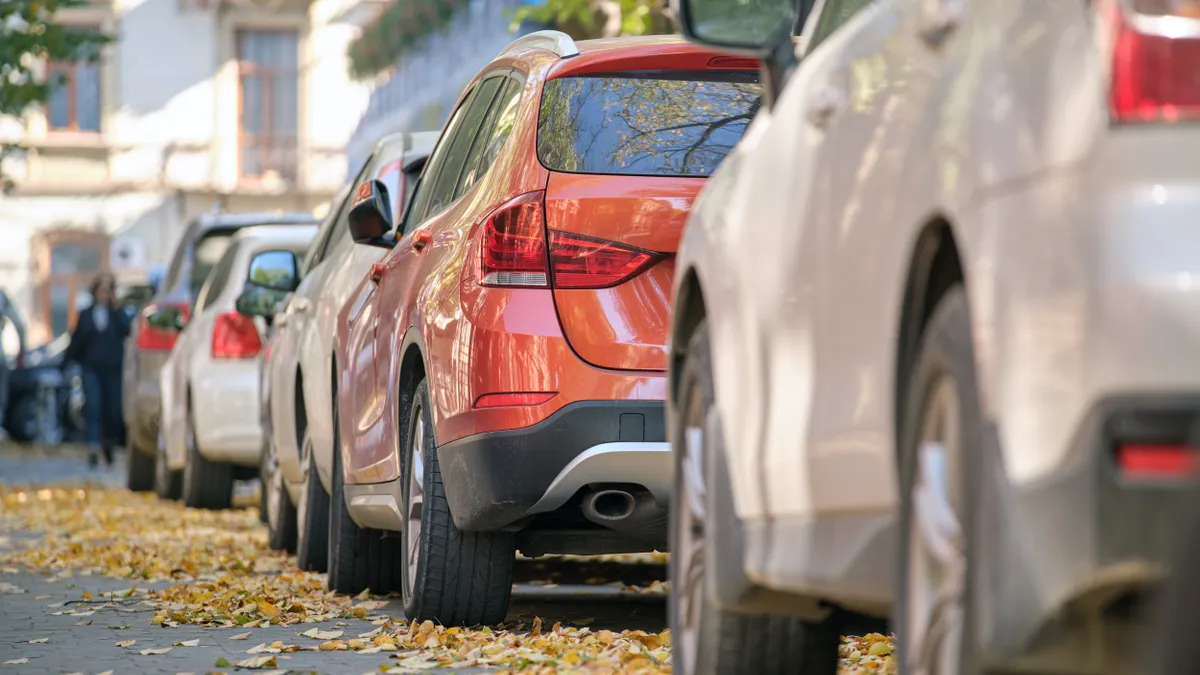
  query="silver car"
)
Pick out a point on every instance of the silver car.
point(935, 333)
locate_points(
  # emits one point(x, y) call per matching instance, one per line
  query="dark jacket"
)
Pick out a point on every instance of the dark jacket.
point(101, 351)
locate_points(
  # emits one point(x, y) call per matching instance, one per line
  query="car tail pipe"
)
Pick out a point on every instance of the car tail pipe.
point(626, 509)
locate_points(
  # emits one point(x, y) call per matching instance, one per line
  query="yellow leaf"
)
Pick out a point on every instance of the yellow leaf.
point(268, 610)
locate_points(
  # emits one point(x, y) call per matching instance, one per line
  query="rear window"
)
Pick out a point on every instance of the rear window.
point(205, 254)
point(645, 123)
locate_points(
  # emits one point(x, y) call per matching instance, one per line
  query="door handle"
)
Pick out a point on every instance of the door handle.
point(376, 273)
point(939, 18)
point(421, 239)
point(827, 102)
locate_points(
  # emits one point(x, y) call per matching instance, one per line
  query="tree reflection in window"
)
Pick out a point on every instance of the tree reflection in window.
point(660, 124)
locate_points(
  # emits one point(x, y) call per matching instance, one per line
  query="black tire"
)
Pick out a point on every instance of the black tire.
point(727, 643)
point(281, 525)
point(359, 558)
point(945, 351)
point(312, 516)
point(139, 470)
point(462, 578)
point(206, 484)
point(168, 484)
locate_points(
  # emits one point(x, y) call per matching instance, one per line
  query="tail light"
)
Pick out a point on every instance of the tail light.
point(1155, 61)
point(1156, 461)
point(153, 335)
point(235, 337)
point(514, 252)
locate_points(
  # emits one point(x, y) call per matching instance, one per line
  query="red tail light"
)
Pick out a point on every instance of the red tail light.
point(154, 337)
point(235, 337)
point(513, 244)
point(1156, 63)
point(583, 262)
point(1156, 461)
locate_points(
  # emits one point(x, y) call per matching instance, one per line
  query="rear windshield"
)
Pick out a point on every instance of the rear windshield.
point(645, 123)
point(205, 254)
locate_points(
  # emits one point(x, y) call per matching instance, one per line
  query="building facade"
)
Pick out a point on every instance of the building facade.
point(241, 105)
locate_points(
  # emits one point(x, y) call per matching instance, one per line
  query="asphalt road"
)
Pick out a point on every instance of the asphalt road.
point(40, 618)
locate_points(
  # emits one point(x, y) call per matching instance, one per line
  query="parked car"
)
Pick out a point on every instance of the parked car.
point(210, 388)
point(941, 391)
point(45, 396)
point(298, 457)
point(501, 372)
point(160, 320)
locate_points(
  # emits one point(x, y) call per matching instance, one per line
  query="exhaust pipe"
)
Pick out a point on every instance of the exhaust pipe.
point(630, 512)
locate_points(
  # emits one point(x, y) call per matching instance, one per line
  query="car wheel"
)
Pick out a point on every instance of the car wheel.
point(705, 639)
point(206, 484)
point(444, 565)
point(277, 505)
point(359, 558)
point(312, 515)
point(139, 469)
point(168, 484)
point(941, 450)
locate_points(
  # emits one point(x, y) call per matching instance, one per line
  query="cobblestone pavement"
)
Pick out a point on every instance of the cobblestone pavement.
point(37, 635)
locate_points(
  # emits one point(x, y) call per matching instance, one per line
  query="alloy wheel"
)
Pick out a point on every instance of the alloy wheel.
point(690, 537)
point(415, 503)
point(937, 562)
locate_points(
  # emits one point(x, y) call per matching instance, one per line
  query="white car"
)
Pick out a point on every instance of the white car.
point(299, 462)
point(934, 335)
point(211, 432)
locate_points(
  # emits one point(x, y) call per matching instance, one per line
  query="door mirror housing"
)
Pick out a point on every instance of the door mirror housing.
point(259, 301)
point(370, 217)
point(274, 271)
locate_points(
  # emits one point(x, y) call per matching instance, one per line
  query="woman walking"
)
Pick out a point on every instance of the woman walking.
point(98, 346)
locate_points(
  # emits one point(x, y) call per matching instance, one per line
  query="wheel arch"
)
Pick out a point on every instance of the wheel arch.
point(935, 267)
point(689, 310)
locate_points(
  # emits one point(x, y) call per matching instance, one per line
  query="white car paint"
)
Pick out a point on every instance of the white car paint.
point(223, 393)
point(300, 366)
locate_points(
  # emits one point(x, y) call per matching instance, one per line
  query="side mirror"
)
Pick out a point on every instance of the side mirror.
point(167, 319)
point(370, 214)
point(751, 27)
point(274, 271)
point(259, 301)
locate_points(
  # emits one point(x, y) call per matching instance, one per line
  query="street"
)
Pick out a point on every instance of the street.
point(96, 579)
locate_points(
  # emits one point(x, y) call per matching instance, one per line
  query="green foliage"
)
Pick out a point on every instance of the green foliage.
point(400, 28)
point(29, 37)
point(586, 19)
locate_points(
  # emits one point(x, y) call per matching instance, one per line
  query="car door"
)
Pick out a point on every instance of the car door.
point(372, 456)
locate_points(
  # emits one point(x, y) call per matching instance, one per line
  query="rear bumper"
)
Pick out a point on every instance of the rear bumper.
point(228, 422)
point(495, 479)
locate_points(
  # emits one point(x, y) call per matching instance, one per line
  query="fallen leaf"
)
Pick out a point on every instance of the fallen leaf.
point(39, 641)
point(83, 623)
point(123, 627)
point(240, 636)
point(188, 643)
point(126, 643)
point(223, 663)
point(16, 662)
point(268, 610)
point(257, 662)
point(149, 652)
point(318, 634)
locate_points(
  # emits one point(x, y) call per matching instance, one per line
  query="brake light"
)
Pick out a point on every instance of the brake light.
point(1156, 461)
point(732, 63)
point(513, 244)
point(1155, 64)
point(511, 399)
point(584, 262)
point(152, 338)
point(235, 337)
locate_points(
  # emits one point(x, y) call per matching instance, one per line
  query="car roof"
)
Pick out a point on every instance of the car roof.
point(285, 235)
point(650, 52)
point(211, 221)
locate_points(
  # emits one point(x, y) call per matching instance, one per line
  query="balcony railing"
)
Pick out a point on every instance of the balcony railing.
point(268, 159)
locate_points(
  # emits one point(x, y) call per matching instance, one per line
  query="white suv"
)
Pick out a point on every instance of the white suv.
point(935, 332)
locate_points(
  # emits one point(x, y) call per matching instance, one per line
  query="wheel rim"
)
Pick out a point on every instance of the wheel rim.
point(273, 486)
point(415, 503)
point(690, 536)
point(936, 550)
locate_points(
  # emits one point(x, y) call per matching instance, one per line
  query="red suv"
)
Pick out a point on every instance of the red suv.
point(501, 372)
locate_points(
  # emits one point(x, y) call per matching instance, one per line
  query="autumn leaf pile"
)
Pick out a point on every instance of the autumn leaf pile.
point(213, 568)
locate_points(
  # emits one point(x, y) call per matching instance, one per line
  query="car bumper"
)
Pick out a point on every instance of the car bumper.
point(144, 402)
point(495, 479)
point(1085, 301)
point(225, 403)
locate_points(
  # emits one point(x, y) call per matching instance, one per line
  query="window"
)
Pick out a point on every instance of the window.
point(649, 124)
point(492, 135)
point(835, 14)
point(268, 88)
point(206, 252)
point(74, 103)
point(218, 280)
point(443, 188)
point(66, 261)
point(422, 202)
point(326, 233)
